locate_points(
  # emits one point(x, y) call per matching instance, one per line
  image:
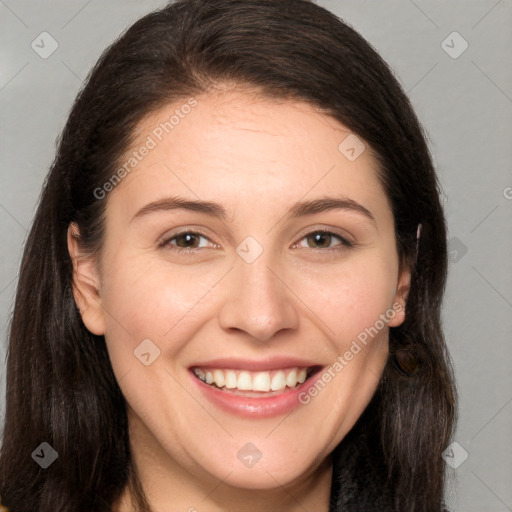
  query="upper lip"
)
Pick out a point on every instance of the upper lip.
point(273, 363)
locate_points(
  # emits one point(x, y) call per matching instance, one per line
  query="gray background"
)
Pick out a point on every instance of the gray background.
point(465, 105)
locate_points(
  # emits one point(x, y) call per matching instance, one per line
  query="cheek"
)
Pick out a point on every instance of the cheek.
point(147, 298)
point(349, 297)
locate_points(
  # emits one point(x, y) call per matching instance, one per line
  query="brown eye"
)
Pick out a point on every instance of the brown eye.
point(185, 241)
point(323, 240)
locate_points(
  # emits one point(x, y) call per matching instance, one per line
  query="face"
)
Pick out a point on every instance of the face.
point(266, 256)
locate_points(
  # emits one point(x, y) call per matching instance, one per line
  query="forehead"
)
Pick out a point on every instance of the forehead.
point(243, 149)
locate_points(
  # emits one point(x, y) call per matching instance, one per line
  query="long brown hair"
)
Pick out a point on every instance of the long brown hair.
point(60, 385)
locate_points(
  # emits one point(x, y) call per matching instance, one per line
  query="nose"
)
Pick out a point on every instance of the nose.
point(258, 300)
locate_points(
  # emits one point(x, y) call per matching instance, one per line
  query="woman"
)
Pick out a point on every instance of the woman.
point(230, 295)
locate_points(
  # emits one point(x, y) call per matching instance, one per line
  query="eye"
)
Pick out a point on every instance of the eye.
point(184, 241)
point(324, 238)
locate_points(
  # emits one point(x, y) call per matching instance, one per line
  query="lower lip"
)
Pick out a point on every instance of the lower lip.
point(265, 407)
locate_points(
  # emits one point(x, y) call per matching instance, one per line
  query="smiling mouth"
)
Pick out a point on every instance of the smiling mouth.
point(254, 383)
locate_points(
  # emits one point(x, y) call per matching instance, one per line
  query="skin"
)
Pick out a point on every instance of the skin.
point(256, 157)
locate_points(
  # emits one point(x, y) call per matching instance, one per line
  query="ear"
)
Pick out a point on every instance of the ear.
point(400, 300)
point(86, 284)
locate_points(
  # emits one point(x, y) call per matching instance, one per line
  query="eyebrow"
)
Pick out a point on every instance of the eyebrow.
point(299, 209)
point(177, 203)
point(325, 204)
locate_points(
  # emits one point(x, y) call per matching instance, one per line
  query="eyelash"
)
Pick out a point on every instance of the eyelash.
point(345, 244)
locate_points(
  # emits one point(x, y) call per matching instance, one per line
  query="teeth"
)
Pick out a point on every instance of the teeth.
point(261, 382)
point(291, 380)
point(218, 378)
point(230, 379)
point(244, 382)
point(275, 380)
point(278, 381)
